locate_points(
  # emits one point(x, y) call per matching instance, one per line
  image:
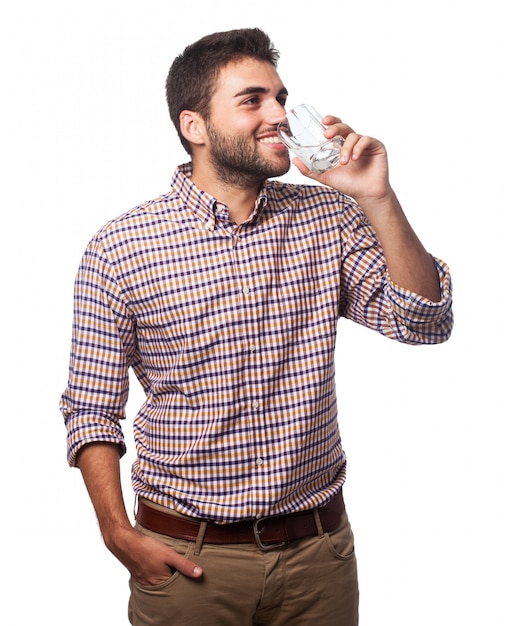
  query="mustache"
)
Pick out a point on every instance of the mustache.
point(266, 131)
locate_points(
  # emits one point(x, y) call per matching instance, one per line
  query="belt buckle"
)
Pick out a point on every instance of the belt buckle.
point(257, 536)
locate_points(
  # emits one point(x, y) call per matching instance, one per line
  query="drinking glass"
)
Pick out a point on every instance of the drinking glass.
point(302, 132)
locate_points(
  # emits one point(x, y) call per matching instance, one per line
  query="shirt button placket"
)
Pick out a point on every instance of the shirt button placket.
point(252, 346)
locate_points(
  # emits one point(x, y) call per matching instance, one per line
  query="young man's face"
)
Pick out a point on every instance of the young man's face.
point(246, 107)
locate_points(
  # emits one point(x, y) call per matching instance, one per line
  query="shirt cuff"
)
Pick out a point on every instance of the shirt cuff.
point(415, 309)
point(84, 429)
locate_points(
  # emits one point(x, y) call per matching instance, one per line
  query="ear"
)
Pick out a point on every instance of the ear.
point(193, 127)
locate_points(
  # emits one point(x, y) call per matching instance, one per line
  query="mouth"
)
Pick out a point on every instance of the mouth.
point(271, 139)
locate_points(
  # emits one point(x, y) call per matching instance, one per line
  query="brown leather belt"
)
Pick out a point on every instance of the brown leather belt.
point(266, 532)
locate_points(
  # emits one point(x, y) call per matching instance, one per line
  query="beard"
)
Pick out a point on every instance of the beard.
point(238, 163)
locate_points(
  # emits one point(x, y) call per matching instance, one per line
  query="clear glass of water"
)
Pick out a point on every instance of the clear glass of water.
point(302, 132)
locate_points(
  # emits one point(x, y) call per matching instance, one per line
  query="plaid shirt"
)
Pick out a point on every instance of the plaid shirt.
point(231, 331)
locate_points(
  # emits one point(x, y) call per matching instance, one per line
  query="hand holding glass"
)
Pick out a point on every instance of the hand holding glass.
point(302, 132)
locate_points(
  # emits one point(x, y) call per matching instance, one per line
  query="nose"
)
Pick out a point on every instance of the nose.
point(275, 113)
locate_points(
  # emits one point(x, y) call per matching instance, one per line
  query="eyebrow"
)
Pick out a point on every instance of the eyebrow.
point(250, 90)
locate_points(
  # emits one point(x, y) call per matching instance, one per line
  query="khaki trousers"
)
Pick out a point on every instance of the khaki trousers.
point(311, 582)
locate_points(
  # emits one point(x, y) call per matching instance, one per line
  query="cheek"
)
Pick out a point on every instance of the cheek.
point(246, 124)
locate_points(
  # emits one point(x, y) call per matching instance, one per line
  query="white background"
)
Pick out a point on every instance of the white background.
point(86, 136)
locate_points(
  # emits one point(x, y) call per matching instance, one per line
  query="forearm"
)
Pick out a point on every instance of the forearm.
point(147, 559)
point(100, 466)
point(410, 266)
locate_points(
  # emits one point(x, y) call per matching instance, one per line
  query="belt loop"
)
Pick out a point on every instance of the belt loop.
point(317, 520)
point(200, 538)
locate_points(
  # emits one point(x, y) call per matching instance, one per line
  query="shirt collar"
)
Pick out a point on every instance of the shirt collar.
point(205, 207)
point(194, 199)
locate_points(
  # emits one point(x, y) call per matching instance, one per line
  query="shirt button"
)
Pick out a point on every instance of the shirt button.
point(255, 404)
point(246, 290)
point(259, 461)
point(252, 347)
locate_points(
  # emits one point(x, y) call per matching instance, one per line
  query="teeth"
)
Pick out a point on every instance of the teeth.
point(270, 140)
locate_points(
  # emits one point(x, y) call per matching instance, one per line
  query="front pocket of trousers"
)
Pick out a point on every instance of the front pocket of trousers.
point(181, 547)
point(341, 541)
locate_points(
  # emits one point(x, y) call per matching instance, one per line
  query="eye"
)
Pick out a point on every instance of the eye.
point(252, 100)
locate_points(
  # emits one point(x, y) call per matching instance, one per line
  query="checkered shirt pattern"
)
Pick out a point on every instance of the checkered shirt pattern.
point(231, 331)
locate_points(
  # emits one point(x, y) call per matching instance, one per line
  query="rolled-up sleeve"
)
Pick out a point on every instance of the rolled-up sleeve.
point(103, 346)
point(370, 298)
point(414, 319)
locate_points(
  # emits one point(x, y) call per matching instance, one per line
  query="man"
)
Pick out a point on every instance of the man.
point(223, 296)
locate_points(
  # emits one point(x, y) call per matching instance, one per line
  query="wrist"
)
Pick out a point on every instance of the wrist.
point(118, 540)
point(384, 201)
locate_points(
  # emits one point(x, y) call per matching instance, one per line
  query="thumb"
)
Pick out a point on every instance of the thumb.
point(303, 169)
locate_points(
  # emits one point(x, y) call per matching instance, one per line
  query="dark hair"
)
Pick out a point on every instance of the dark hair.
point(192, 78)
